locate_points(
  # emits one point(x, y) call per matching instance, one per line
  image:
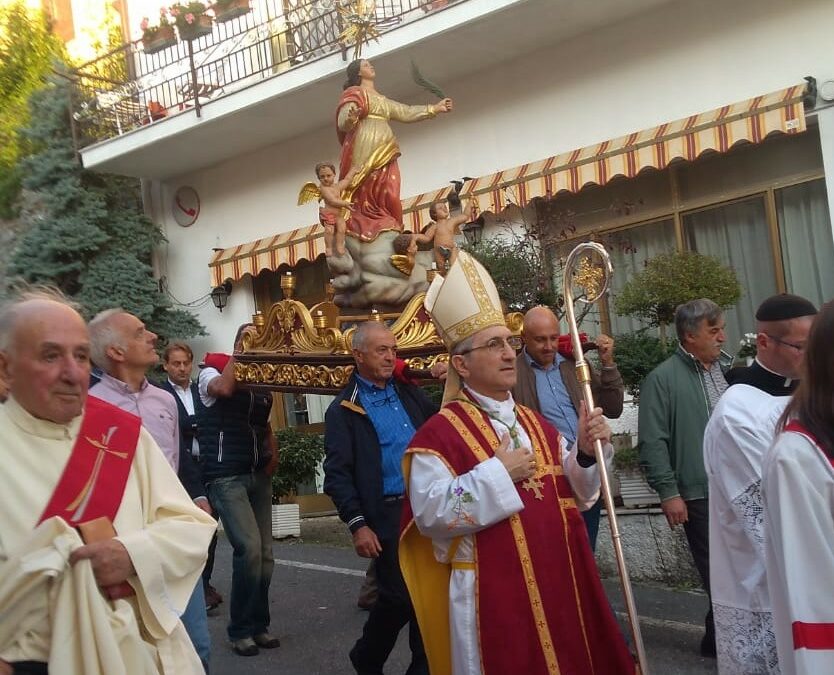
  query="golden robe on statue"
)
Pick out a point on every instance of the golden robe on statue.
point(370, 144)
point(53, 612)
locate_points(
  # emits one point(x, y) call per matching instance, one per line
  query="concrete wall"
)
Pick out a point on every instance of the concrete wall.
point(680, 59)
point(653, 552)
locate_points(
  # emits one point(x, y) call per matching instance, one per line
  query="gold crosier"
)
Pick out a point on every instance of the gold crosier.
point(593, 276)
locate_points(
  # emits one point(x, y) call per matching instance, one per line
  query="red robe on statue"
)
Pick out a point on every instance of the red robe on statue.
point(541, 608)
point(370, 145)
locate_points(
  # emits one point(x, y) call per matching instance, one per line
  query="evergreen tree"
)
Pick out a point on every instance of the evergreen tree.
point(86, 232)
point(27, 50)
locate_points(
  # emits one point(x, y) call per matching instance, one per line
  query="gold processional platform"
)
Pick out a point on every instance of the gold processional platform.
point(293, 348)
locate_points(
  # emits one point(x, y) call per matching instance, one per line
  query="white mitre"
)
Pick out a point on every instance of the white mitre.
point(462, 303)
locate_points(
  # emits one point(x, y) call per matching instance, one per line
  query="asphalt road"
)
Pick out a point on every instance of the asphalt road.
point(313, 606)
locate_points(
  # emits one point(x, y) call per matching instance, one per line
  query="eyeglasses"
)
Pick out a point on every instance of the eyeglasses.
point(799, 348)
point(497, 345)
point(379, 402)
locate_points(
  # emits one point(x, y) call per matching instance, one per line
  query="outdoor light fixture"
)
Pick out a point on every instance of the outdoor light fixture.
point(473, 231)
point(220, 294)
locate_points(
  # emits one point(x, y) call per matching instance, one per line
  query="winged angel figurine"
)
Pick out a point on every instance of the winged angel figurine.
point(332, 214)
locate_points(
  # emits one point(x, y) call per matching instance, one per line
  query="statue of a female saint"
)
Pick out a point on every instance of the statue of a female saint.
point(370, 147)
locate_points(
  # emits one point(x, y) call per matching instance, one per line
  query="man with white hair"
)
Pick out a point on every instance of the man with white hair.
point(123, 348)
point(495, 555)
point(73, 466)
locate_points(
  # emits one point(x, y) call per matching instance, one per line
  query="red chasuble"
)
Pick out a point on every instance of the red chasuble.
point(95, 476)
point(540, 604)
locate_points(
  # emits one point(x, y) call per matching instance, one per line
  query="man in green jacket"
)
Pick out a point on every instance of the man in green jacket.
point(676, 401)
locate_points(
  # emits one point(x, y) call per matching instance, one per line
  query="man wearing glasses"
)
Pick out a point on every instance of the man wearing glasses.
point(495, 554)
point(741, 429)
point(367, 428)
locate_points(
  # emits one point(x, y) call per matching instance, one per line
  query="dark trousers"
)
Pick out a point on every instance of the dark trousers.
point(29, 668)
point(591, 518)
point(209, 568)
point(244, 504)
point(392, 609)
point(697, 534)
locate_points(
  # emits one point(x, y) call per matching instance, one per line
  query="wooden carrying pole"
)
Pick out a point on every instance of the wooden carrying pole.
point(580, 270)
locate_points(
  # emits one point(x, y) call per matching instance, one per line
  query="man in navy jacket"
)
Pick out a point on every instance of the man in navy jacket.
point(367, 428)
point(178, 361)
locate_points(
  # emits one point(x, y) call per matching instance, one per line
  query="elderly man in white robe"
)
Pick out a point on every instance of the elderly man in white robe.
point(740, 431)
point(75, 467)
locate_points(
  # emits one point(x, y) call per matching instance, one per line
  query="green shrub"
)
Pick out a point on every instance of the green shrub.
point(639, 353)
point(298, 457)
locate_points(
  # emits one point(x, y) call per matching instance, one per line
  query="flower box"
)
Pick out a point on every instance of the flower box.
point(200, 25)
point(226, 10)
point(162, 38)
point(286, 521)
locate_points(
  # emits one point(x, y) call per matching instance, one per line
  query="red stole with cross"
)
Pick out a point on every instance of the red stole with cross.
point(94, 479)
point(540, 604)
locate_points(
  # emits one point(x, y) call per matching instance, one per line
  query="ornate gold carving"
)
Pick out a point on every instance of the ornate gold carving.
point(292, 375)
point(589, 277)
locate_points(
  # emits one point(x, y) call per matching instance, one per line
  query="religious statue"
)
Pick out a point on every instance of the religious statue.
point(369, 145)
point(369, 270)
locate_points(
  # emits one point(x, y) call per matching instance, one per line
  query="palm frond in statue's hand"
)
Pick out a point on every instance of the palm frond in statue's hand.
point(428, 85)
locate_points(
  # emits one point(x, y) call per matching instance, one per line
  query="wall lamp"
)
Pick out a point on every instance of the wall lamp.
point(220, 294)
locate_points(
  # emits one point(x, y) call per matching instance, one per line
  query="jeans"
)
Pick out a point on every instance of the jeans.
point(196, 624)
point(244, 504)
point(591, 518)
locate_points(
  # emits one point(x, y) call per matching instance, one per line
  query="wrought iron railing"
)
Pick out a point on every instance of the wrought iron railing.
point(130, 87)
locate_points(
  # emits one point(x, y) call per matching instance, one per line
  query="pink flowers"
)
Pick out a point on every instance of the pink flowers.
point(148, 28)
point(189, 18)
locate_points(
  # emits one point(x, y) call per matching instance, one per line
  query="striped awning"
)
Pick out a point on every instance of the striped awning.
point(719, 130)
point(686, 139)
point(287, 248)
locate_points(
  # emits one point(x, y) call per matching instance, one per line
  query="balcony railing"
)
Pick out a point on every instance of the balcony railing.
point(130, 88)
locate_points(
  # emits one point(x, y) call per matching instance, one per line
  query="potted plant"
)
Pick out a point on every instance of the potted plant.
point(299, 455)
point(634, 489)
point(191, 19)
point(670, 279)
point(747, 349)
point(226, 10)
point(157, 37)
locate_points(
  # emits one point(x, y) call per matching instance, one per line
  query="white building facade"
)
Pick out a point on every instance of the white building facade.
point(531, 80)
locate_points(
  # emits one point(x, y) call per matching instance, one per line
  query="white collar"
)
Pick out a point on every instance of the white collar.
point(504, 411)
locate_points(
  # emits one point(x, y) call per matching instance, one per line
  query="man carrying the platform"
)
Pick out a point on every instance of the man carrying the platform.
point(493, 549)
point(367, 428)
point(112, 605)
point(740, 431)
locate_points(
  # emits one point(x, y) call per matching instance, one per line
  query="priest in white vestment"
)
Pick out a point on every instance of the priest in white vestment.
point(798, 494)
point(739, 432)
point(56, 610)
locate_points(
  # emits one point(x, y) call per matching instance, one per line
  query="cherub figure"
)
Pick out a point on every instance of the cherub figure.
point(405, 253)
point(332, 214)
point(442, 232)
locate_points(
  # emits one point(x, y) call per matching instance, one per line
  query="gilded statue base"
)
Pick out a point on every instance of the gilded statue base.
point(293, 348)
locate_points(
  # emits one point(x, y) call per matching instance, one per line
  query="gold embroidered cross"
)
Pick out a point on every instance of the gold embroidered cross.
point(79, 504)
point(535, 485)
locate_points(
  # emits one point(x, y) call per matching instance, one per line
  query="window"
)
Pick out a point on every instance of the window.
point(806, 239)
point(738, 235)
point(629, 250)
